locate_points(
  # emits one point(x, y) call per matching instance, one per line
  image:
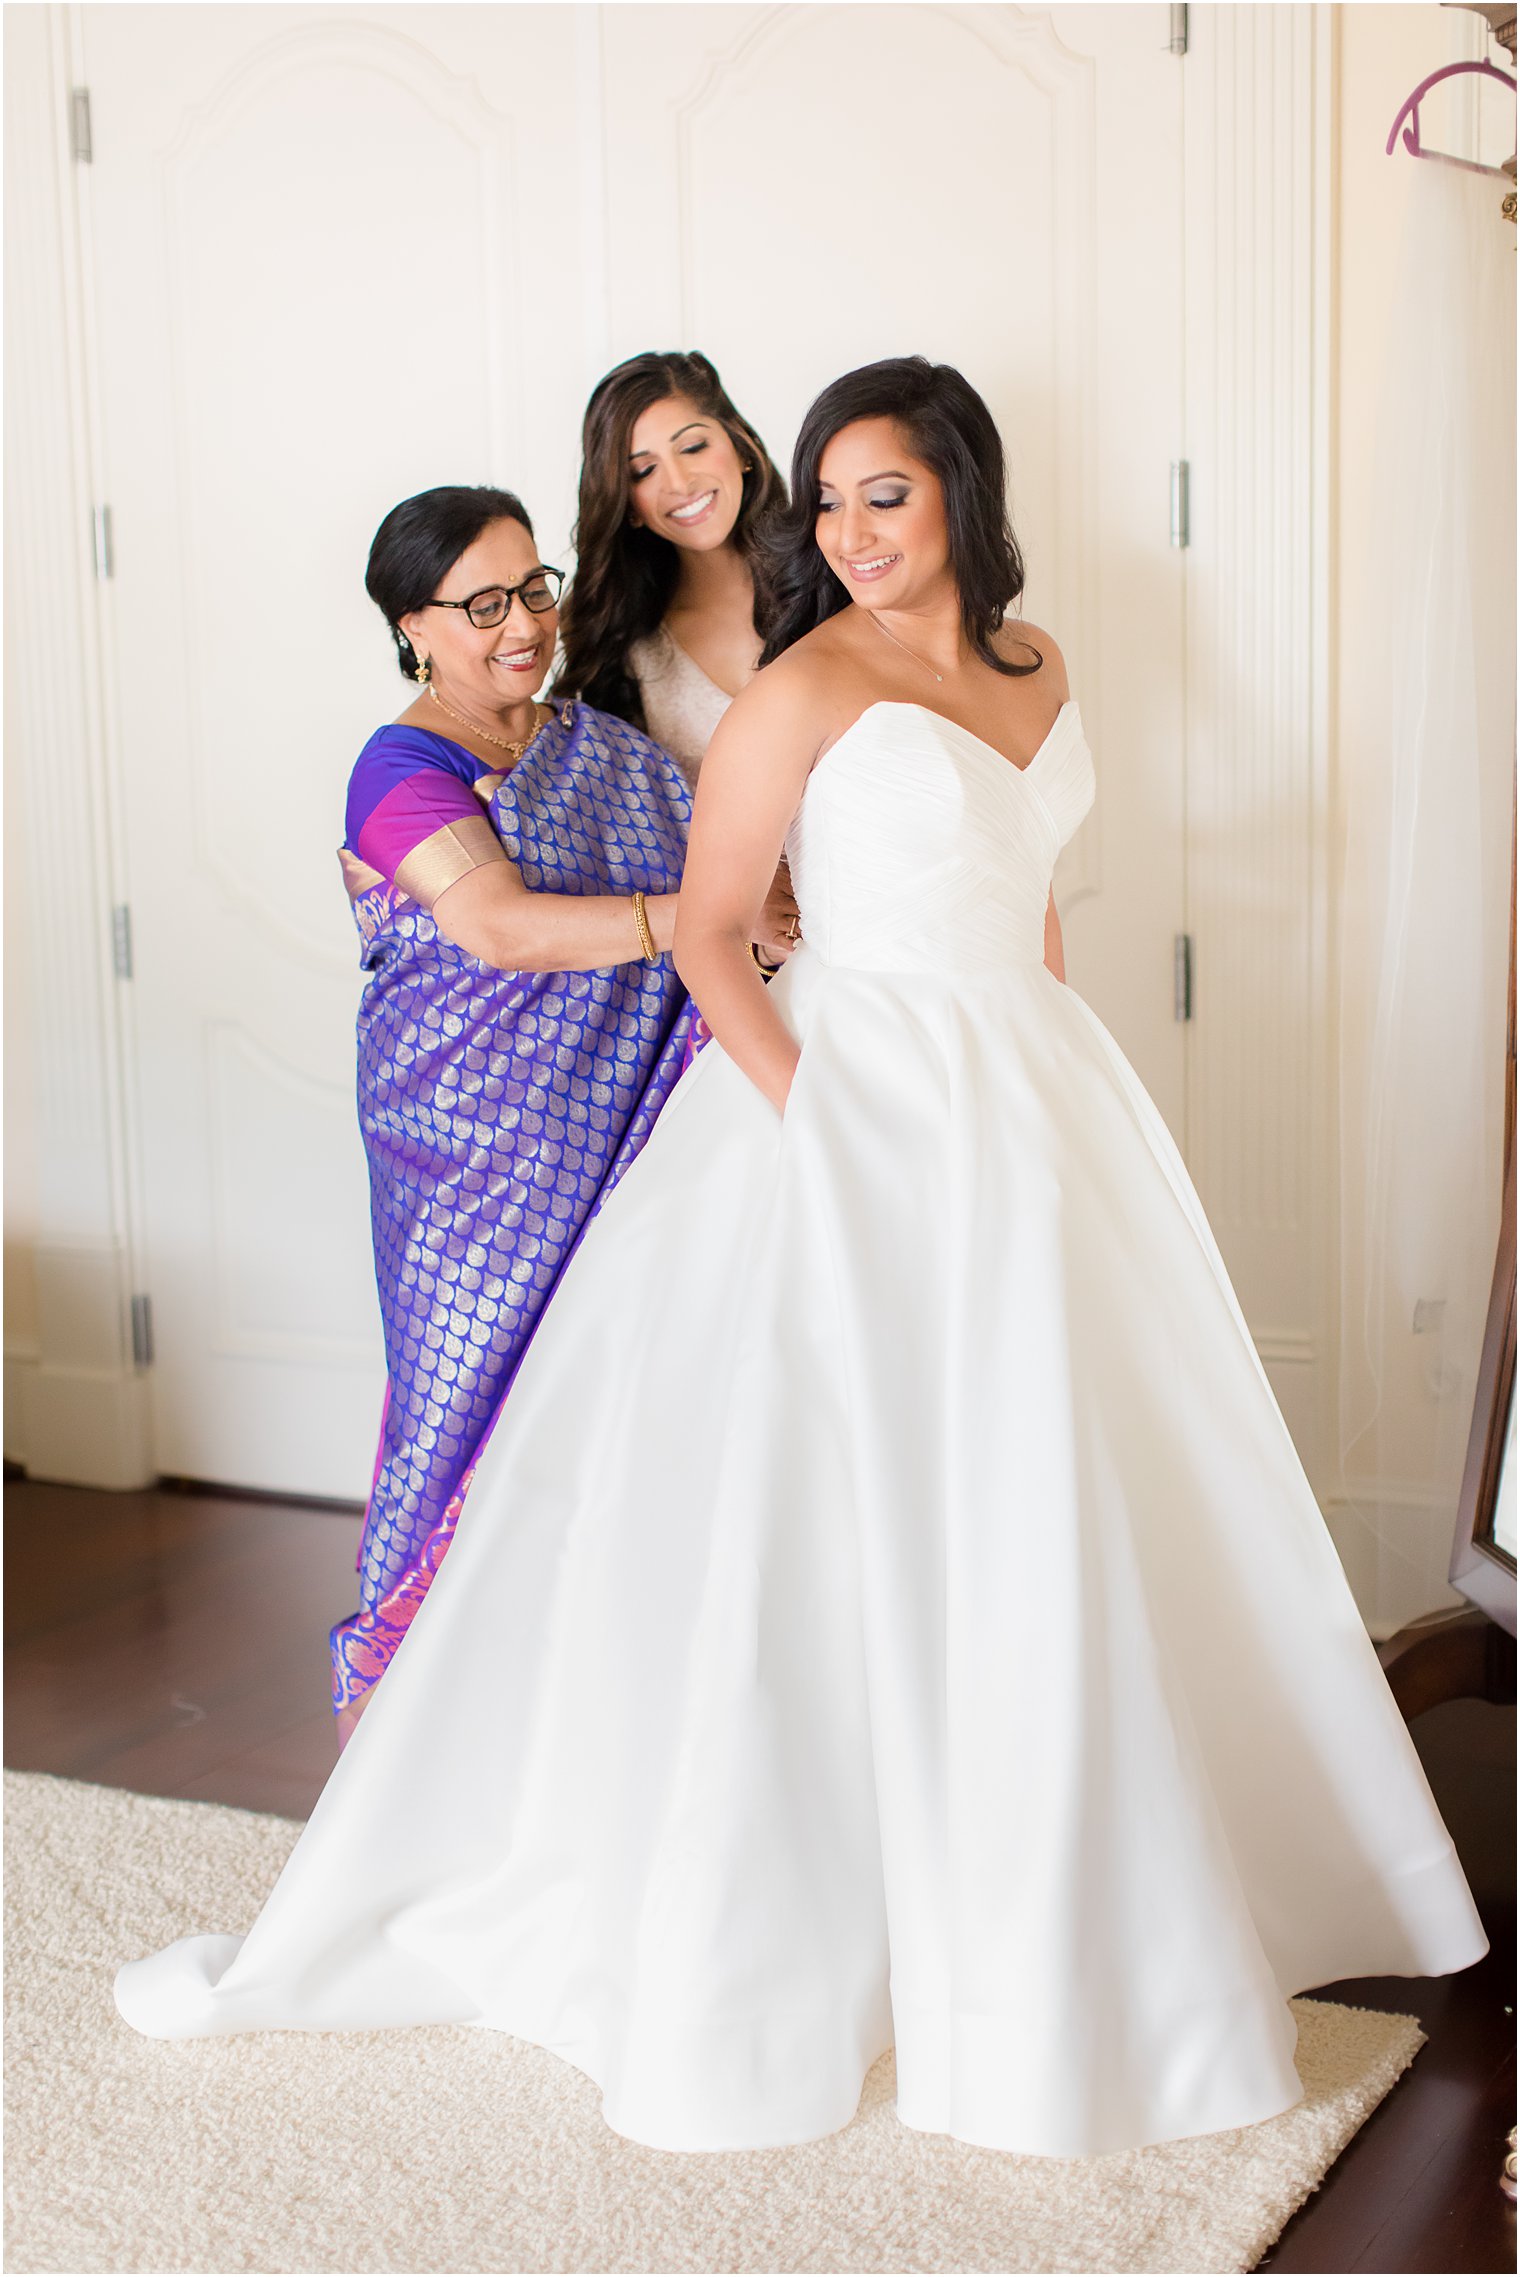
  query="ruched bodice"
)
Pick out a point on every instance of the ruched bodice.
point(919, 848)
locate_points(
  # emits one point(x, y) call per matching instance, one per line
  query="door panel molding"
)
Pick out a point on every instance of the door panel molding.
point(83, 1408)
point(1259, 1089)
point(481, 199)
point(708, 125)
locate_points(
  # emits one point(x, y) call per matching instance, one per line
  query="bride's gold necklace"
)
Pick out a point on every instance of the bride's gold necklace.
point(902, 644)
point(513, 750)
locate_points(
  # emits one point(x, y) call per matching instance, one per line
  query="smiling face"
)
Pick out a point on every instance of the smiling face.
point(491, 666)
point(881, 518)
point(685, 478)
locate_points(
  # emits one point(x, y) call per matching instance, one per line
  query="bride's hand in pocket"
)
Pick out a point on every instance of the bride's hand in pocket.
point(732, 893)
point(782, 1104)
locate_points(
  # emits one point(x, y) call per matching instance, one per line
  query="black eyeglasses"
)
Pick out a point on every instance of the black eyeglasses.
point(493, 602)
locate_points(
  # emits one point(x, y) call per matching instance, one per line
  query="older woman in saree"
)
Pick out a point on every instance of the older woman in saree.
point(513, 869)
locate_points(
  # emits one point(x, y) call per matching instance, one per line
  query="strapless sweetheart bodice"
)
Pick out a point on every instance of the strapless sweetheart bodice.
point(919, 848)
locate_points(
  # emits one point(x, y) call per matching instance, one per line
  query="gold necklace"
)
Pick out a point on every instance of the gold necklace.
point(513, 750)
point(902, 644)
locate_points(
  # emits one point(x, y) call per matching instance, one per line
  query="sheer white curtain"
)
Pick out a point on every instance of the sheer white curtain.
point(1425, 902)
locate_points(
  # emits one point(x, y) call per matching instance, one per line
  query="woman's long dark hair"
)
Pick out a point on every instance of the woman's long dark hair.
point(949, 427)
point(624, 575)
point(419, 542)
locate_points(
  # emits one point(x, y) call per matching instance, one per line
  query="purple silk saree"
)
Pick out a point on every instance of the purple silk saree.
point(497, 1108)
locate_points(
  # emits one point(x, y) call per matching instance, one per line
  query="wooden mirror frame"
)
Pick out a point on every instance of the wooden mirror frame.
point(1480, 1569)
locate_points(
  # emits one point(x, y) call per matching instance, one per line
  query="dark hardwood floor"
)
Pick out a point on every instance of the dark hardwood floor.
point(175, 1642)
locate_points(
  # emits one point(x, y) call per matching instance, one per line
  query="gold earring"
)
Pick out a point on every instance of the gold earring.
point(423, 667)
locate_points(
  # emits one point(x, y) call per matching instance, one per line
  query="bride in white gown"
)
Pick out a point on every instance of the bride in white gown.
point(890, 1608)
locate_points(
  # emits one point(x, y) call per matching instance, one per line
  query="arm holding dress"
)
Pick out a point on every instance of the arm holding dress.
point(492, 915)
point(415, 816)
point(752, 778)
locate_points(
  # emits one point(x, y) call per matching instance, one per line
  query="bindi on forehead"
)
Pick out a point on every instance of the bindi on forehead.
point(490, 564)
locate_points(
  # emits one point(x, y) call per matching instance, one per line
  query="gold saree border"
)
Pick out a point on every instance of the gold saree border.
point(449, 855)
point(358, 877)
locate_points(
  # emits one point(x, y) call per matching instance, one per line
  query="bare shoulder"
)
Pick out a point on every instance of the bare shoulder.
point(1014, 641)
point(791, 696)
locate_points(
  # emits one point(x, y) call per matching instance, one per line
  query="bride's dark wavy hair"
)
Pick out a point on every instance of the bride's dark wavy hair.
point(625, 576)
point(949, 427)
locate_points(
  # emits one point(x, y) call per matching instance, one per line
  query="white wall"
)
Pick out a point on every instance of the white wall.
point(1386, 1519)
point(20, 1131)
point(20, 1152)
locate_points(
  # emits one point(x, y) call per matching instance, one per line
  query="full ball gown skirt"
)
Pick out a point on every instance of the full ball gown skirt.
point(891, 1607)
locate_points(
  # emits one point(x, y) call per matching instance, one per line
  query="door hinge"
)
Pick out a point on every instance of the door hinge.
point(1182, 976)
point(1181, 526)
point(121, 941)
point(1178, 43)
point(142, 1332)
point(105, 543)
point(81, 138)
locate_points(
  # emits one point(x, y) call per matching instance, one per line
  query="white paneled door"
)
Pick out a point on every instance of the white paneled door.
point(802, 189)
point(340, 254)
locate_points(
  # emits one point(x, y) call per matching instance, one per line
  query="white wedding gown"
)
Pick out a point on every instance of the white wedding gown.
point(891, 1607)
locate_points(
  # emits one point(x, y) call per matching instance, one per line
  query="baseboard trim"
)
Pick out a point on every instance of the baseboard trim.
point(20, 1368)
point(340, 1506)
point(78, 1426)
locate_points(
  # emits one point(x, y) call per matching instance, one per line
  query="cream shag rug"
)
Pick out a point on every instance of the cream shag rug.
point(449, 2149)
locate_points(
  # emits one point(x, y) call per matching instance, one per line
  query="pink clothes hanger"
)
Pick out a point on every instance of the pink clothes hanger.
point(1410, 109)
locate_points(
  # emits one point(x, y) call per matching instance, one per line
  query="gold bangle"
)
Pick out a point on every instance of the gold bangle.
point(646, 938)
point(766, 971)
